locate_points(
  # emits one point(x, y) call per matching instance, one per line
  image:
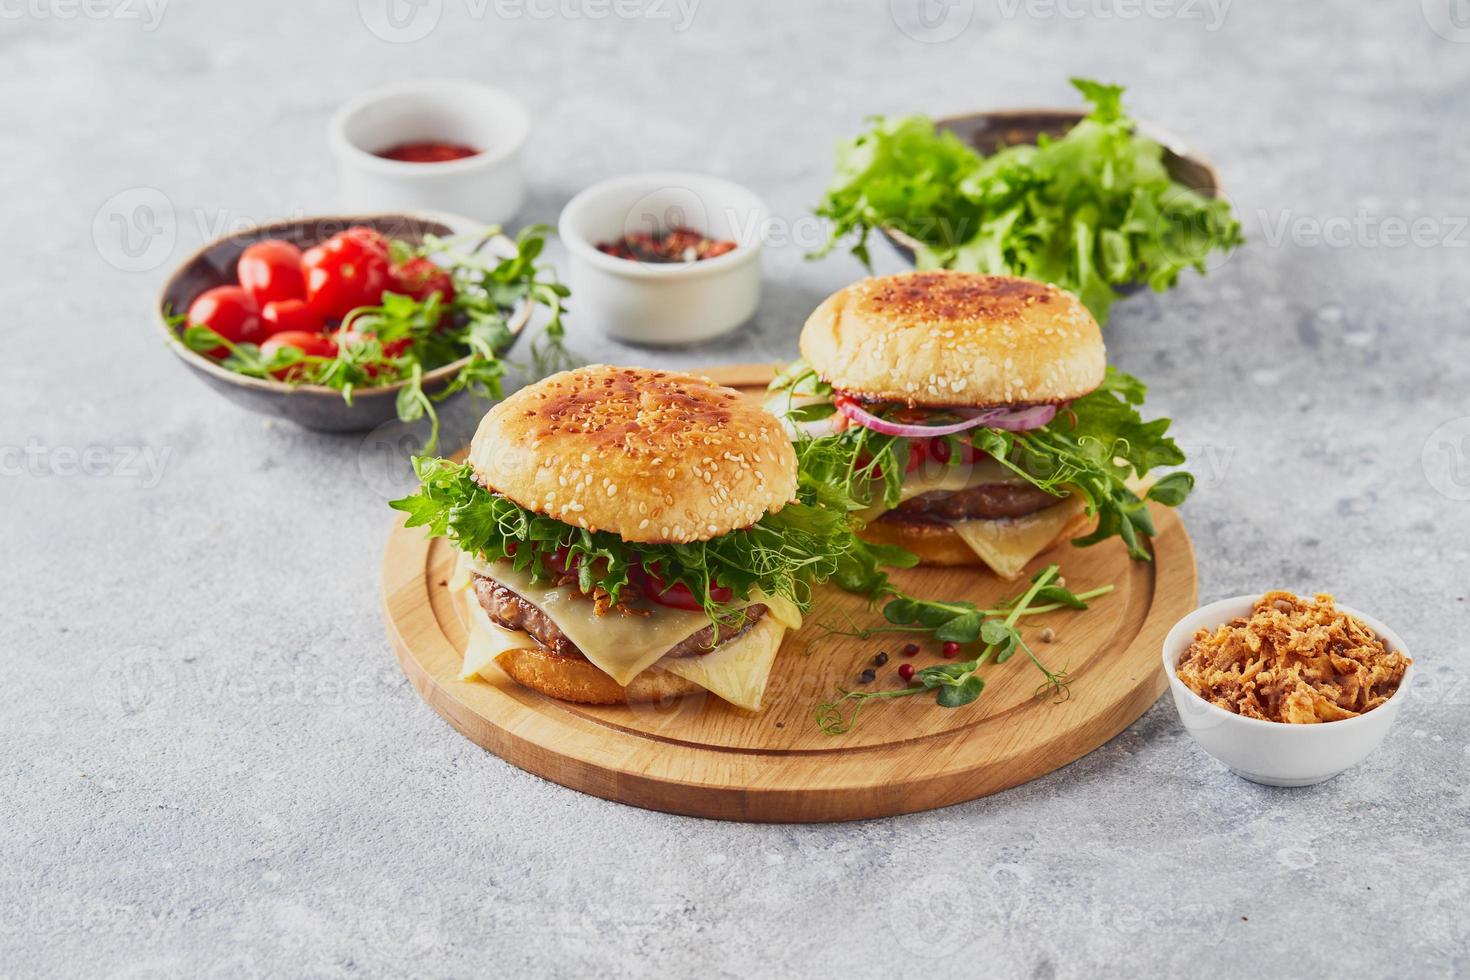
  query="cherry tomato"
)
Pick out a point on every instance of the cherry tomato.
point(420, 278)
point(289, 314)
point(270, 271)
point(391, 348)
point(230, 312)
point(311, 344)
point(370, 237)
point(343, 274)
point(676, 596)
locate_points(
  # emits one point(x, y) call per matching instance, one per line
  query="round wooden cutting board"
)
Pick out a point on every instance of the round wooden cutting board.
point(700, 756)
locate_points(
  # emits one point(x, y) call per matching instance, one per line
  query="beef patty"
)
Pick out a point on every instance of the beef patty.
point(986, 502)
point(509, 609)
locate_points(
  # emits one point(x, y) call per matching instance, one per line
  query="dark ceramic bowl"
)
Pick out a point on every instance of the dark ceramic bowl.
point(312, 406)
point(988, 131)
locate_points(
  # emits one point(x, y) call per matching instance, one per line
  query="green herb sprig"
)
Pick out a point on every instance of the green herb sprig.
point(958, 684)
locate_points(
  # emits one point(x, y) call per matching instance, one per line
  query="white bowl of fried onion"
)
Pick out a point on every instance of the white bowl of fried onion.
point(1284, 690)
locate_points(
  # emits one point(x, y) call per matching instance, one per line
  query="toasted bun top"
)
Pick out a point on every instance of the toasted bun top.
point(955, 338)
point(652, 456)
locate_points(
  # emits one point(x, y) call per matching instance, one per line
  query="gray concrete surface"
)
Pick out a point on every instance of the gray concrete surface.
point(210, 763)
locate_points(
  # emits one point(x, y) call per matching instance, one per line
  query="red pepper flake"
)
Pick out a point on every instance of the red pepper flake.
point(428, 151)
point(679, 244)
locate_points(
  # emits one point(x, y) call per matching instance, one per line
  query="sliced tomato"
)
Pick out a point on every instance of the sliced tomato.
point(230, 312)
point(270, 271)
point(290, 315)
point(310, 344)
point(342, 274)
point(676, 596)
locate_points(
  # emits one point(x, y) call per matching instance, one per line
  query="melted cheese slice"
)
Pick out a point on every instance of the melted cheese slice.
point(488, 640)
point(1008, 545)
point(624, 646)
point(736, 671)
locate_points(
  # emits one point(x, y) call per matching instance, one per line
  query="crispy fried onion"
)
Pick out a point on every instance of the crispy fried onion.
point(1293, 660)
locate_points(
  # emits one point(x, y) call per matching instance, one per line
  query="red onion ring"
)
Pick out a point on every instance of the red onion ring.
point(1011, 419)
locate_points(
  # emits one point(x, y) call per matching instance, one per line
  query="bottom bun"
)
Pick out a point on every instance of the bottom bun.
point(938, 544)
point(576, 679)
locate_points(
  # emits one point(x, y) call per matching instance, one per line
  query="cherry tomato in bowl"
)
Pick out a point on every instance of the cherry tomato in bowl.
point(310, 344)
point(371, 237)
point(421, 278)
point(230, 312)
point(342, 274)
point(289, 314)
point(270, 271)
point(391, 348)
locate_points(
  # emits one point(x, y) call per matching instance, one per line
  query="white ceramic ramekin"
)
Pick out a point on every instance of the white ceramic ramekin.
point(1270, 752)
point(488, 187)
point(664, 304)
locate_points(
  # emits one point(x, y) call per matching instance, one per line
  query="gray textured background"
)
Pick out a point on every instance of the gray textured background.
point(210, 763)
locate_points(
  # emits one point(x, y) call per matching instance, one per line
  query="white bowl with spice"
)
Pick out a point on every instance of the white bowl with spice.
point(1279, 753)
point(637, 290)
point(432, 145)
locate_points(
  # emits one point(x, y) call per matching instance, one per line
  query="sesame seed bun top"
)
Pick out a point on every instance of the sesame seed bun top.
point(941, 338)
point(652, 456)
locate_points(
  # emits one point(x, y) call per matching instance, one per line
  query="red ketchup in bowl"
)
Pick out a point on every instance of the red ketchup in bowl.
point(427, 151)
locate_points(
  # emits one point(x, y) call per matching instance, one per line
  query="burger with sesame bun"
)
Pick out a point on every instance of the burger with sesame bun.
point(628, 535)
point(973, 419)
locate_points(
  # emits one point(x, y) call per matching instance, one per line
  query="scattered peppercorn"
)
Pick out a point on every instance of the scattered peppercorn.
point(951, 650)
point(906, 671)
point(866, 677)
point(910, 649)
point(882, 658)
point(1048, 635)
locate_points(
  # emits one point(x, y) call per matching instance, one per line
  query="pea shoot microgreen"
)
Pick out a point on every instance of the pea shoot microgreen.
point(960, 683)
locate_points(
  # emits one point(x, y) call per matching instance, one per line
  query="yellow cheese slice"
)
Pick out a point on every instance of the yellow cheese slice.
point(737, 671)
point(487, 641)
point(1007, 546)
point(621, 646)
